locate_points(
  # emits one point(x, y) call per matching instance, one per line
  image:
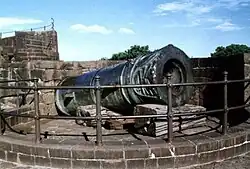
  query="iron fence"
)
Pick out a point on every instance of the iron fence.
point(45, 27)
point(98, 118)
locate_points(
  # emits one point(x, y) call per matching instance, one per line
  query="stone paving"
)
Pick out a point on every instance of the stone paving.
point(64, 130)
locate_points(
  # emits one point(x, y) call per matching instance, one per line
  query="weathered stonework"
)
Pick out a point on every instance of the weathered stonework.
point(193, 151)
point(247, 75)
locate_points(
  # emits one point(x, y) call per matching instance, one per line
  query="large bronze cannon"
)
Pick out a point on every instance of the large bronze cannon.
point(151, 68)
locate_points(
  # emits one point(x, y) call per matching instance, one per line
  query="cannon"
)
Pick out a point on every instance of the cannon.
point(151, 68)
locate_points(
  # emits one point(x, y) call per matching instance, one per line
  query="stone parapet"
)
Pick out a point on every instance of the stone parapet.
point(190, 151)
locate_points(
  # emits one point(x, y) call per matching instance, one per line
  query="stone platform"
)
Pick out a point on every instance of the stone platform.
point(122, 149)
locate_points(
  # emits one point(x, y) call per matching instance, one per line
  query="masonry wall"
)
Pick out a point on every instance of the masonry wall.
point(32, 45)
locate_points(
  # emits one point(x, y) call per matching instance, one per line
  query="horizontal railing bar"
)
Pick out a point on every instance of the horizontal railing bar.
point(199, 113)
point(17, 115)
point(239, 107)
point(21, 80)
point(103, 117)
point(122, 117)
point(238, 81)
point(14, 95)
point(126, 117)
point(210, 83)
point(115, 86)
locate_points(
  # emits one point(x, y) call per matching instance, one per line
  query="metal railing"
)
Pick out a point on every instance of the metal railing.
point(45, 27)
point(169, 115)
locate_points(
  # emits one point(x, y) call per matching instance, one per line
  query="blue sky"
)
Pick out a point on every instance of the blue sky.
point(92, 29)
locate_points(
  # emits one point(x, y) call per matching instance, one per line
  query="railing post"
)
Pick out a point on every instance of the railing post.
point(2, 123)
point(224, 125)
point(17, 101)
point(170, 115)
point(37, 113)
point(98, 112)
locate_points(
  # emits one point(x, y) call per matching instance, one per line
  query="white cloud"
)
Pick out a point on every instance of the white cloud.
point(190, 6)
point(126, 31)
point(192, 23)
point(131, 23)
point(244, 4)
point(91, 29)
point(6, 22)
point(215, 20)
point(227, 26)
point(233, 4)
point(198, 7)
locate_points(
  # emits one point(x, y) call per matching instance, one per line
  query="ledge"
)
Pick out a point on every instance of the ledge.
point(182, 152)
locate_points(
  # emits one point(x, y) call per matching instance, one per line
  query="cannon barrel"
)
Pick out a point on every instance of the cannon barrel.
point(151, 68)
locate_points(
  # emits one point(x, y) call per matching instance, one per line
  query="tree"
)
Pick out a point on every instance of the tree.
point(131, 53)
point(104, 58)
point(233, 49)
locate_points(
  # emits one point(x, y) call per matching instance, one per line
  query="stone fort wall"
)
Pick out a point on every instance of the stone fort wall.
point(30, 55)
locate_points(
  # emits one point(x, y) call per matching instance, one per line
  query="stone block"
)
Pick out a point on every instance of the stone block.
point(238, 150)
point(108, 154)
point(248, 147)
point(78, 153)
point(161, 152)
point(210, 145)
point(185, 148)
point(47, 109)
point(11, 156)
point(42, 161)
point(18, 148)
point(4, 73)
point(204, 72)
point(247, 58)
point(60, 163)
point(4, 146)
point(88, 65)
point(47, 98)
point(208, 157)
point(113, 164)
point(151, 163)
point(50, 74)
point(248, 137)
point(41, 152)
point(73, 72)
point(86, 164)
point(136, 153)
point(26, 159)
point(67, 66)
point(2, 155)
point(240, 138)
point(182, 161)
point(135, 164)
point(225, 142)
point(46, 64)
point(18, 65)
point(164, 163)
point(60, 153)
point(247, 70)
point(23, 72)
point(37, 73)
point(226, 153)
